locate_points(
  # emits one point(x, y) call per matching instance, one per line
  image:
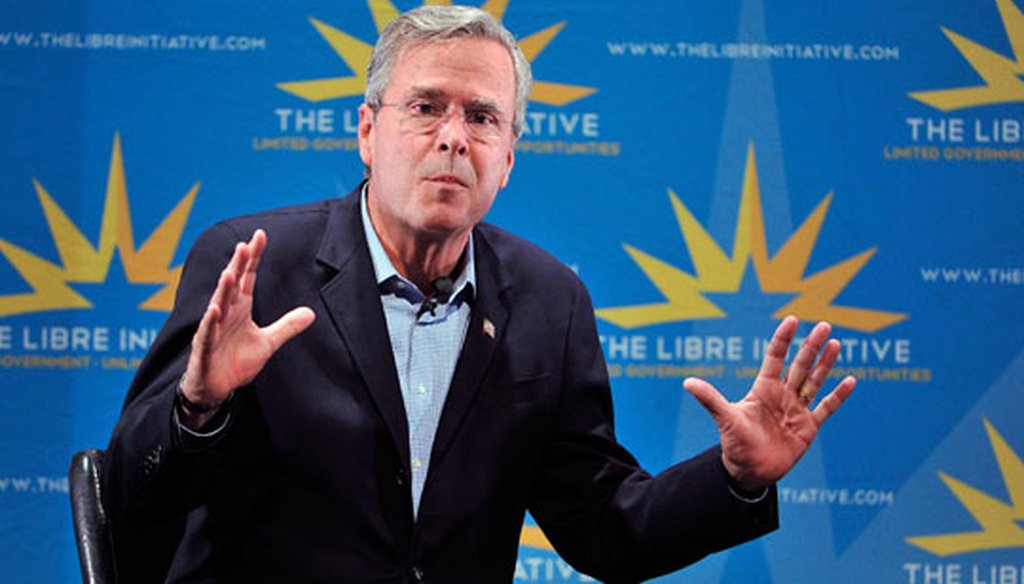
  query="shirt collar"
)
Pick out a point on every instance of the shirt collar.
point(385, 270)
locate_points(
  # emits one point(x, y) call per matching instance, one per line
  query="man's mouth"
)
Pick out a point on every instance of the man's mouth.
point(450, 179)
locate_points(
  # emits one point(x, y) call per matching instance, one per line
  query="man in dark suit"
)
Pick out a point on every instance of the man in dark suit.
point(439, 378)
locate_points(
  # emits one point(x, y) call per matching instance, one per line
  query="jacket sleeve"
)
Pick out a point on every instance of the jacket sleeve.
point(150, 483)
point(607, 516)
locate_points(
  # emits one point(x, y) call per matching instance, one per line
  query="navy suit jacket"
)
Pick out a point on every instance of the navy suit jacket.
point(310, 479)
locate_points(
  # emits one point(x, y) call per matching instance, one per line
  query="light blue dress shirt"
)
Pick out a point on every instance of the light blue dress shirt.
point(426, 347)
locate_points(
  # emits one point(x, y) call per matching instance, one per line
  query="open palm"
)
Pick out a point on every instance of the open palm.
point(765, 434)
point(229, 349)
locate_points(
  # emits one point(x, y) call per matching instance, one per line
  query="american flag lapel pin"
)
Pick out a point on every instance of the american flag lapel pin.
point(489, 328)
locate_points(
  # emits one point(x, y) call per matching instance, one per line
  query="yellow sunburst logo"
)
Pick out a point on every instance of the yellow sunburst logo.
point(532, 536)
point(1002, 75)
point(999, 521)
point(717, 272)
point(356, 55)
point(81, 262)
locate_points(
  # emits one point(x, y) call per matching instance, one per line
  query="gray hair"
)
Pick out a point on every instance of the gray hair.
point(429, 24)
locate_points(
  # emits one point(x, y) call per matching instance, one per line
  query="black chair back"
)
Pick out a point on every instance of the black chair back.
point(92, 530)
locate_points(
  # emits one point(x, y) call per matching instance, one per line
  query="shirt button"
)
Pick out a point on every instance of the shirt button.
point(422, 389)
point(416, 463)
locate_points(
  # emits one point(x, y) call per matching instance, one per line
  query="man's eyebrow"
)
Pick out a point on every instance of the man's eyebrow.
point(484, 103)
point(433, 93)
point(427, 93)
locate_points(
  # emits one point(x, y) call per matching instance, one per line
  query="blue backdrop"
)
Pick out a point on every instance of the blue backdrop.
point(706, 167)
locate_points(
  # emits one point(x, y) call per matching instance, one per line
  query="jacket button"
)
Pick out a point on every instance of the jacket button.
point(417, 574)
point(400, 477)
point(152, 461)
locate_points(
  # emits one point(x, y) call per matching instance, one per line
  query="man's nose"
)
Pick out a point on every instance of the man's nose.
point(452, 133)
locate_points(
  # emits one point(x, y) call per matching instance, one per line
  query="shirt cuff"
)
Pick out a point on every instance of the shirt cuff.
point(190, 440)
point(750, 497)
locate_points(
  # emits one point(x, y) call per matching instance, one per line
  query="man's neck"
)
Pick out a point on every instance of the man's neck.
point(424, 262)
point(420, 259)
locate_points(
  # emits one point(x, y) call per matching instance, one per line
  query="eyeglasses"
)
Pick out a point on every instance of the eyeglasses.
point(482, 122)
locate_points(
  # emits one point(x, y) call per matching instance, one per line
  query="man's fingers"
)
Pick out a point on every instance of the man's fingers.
point(236, 267)
point(809, 388)
point(222, 294)
point(292, 323)
point(806, 355)
point(832, 401)
point(239, 276)
point(707, 395)
point(201, 338)
point(256, 245)
point(775, 354)
point(197, 359)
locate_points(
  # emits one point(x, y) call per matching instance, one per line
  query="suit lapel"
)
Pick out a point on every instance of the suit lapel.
point(486, 328)
point(353, 301)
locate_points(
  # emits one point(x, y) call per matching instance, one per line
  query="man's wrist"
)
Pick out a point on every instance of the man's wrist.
point(193, 407)
point(744, 492)
point(196, 416)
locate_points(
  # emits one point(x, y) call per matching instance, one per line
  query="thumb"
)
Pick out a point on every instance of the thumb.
point(292, 323)
point(707, 396)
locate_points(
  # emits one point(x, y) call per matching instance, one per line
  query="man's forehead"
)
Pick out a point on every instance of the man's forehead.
point(457, 44)
point(474, 47)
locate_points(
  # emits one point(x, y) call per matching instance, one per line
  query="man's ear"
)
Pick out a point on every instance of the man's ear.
point(366, 125)
point(510, 161)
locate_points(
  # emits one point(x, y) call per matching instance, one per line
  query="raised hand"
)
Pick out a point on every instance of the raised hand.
point(228, 348)
point(765, 434)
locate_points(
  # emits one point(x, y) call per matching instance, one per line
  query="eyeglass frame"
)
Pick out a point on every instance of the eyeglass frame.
point(429, 123)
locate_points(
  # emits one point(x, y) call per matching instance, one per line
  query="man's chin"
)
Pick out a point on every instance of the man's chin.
point(443, 228)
